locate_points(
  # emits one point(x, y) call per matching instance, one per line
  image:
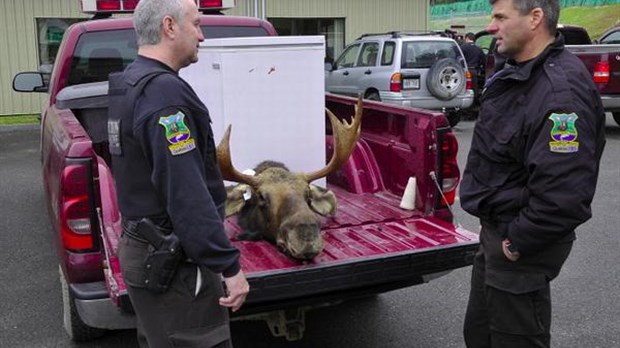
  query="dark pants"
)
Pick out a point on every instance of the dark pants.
point(510, 302)
point(178, 317)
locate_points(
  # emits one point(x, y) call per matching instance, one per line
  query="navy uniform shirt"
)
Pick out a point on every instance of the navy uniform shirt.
point(473, 55)
point(536, 148)
point(168, 165)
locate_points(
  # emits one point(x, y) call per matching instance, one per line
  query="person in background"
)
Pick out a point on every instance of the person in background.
point(531, 175)
point(174, 250)
point(476, 61)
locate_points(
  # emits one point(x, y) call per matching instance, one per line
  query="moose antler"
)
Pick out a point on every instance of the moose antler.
point(226, 167)
point(345, 137)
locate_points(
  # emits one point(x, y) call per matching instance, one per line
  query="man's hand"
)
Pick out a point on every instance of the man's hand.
point(509, 255)
point(237, 289)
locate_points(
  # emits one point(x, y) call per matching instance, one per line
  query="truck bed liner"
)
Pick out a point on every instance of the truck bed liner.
point(370, 238)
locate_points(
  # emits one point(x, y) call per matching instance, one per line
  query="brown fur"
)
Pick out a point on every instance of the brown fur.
point(282, 210)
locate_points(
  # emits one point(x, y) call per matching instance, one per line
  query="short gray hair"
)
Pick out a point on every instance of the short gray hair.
point(149, 15)
point(551, 8)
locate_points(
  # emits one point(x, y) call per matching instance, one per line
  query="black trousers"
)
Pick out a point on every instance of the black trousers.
point(510, 302)
point(178, 317)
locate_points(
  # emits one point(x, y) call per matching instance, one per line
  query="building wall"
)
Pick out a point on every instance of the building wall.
point(18, 47)
point(19, 51)
point(361, 16)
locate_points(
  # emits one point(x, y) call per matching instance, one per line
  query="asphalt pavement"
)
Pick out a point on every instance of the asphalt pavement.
point(586, 295)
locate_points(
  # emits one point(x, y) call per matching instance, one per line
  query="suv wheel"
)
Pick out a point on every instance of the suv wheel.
point(374, 95)
point(445, 79)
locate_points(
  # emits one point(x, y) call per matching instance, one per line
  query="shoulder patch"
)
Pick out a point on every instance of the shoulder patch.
point(177, 134)
point(564, 133)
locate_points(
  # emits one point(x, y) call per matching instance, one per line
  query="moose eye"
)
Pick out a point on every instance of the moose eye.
point(263, 198)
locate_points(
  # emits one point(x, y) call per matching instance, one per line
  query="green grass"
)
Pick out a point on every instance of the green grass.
point(19, 119)
point(595, 19)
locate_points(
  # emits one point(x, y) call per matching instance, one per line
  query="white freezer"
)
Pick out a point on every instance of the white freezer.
point(272, 91)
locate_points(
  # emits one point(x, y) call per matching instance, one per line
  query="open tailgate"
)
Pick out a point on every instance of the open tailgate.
point(370, 243)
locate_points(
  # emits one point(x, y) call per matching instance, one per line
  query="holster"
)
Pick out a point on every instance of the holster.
point(163, 257)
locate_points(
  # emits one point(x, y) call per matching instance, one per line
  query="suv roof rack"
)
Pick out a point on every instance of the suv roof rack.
point(397, 33)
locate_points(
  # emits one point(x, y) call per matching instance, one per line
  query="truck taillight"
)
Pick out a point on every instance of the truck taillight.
point(601, 72)
point(469, 82)
point(396, 82)
point(118, 6)
point(450, 173)
point(75, 207)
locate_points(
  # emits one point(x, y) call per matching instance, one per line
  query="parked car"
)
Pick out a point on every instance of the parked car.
point(411, 69)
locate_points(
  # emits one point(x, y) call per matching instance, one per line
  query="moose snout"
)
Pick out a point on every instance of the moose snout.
point(302, 239)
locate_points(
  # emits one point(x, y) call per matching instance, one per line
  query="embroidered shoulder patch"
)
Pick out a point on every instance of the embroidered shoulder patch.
point(564, 133)
point(177, 134)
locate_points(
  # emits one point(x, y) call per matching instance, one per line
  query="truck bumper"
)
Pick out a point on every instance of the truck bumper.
point(345, 281)
point(611, 103)
point(97, 310)
point(462, 101)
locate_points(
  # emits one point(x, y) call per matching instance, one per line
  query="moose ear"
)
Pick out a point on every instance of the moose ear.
point(235, 198)
point(322, 201)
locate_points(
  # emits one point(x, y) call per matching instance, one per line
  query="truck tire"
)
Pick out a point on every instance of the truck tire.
point(454, 117)
point(445, 79)
point(616, 116)
point(77, 330)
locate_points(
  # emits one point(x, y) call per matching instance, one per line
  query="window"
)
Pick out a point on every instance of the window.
point(348, 57)
point(99, 53)
point(387, 58)
point(613, 38)
point(424, 54)
point(369, 54)
point(331, 28)
point(49, 35)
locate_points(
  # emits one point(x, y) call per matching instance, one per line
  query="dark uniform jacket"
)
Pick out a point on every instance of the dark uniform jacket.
point(473, 55)
point(535, 152)
point(165, 163)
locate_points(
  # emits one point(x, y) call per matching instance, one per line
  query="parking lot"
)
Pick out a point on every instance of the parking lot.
point(586, 295)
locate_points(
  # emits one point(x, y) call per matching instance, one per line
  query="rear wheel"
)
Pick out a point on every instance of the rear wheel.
point(77, 330)
point(373, 95)
point(616, 116)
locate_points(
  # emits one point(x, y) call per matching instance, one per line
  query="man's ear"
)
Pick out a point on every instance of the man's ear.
point(168, 26)
point(537, 18)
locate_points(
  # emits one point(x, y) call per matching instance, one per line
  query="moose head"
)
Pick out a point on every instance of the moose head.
point(282, 205)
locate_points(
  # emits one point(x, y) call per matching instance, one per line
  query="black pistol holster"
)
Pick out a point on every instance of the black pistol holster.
point(164, 255)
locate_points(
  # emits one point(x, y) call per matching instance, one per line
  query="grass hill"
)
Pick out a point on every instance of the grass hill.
point(595, 19)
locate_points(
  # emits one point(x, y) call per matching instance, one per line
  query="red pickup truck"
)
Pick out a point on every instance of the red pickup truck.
point(371, 245)
point(602, 60)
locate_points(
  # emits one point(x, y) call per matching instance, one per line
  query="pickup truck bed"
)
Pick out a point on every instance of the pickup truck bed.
point(371, 244)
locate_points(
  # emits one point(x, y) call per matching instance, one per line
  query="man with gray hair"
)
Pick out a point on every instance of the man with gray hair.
point(174, 250)
point(530, 176)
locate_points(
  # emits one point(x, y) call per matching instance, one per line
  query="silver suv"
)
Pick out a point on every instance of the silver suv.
point(418, 70)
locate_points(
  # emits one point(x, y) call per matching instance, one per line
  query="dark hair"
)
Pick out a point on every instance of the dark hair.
point(470, 36)
point(551, 8)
